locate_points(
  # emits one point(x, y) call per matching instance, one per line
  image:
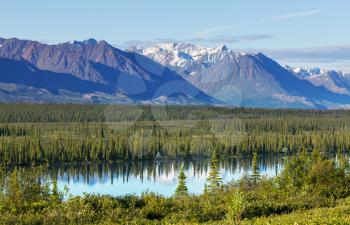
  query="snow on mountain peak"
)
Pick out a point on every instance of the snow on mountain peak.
point(313, 72)
point(184, 54)
point(334, 81)
point(305, 72)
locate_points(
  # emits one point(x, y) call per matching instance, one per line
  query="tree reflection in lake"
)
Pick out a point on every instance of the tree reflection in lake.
point(155, 176)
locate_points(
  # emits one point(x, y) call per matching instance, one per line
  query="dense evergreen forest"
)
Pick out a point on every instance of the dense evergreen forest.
point(311, 189)
point(47, 134)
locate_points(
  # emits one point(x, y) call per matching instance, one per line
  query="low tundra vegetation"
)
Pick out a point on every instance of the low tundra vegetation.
point(310, 190)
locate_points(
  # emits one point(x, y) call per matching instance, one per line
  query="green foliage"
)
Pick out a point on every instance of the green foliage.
point(334, 215)
point(52, 134)
point(255, 168)
point(214, 180)
point(294, 174)
point(321, 196)
point(181, 189)
point(310, 189)
point(27, 189)
point(236, 207)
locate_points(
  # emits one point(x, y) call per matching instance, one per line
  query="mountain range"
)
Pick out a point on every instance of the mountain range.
point(170, 73)
point(335, 81)
point(88, 71)
point(245, 79)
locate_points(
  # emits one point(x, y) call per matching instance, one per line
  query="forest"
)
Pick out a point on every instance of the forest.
point(311, 188)
point(57, 134)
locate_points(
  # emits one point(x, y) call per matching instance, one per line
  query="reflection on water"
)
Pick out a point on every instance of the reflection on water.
point(154, 176)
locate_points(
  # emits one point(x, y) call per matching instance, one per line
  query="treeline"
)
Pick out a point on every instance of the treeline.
point(75, 113)
point(47, 134)
point(308, 182)
point(52, 150)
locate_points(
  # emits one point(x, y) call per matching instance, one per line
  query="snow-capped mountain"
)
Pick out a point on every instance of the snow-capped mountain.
point(89, 71)
point(335, 81)
point(306, 72)
point(95, 71)
point(193, 59)
point(240, 78)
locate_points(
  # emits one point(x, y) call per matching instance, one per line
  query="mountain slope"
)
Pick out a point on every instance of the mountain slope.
point(93, 67)
point(242, 79)
point(337, 82)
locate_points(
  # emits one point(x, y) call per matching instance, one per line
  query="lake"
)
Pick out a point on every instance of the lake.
point(155, 176)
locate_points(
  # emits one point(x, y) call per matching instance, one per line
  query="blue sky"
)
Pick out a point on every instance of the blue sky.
point(296, 32)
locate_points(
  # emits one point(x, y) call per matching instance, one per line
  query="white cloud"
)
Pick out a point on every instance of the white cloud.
point(260, 21)
point(293, 15)
point(227, 39)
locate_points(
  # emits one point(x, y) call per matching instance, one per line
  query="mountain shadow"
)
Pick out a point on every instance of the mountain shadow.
point(22, 72)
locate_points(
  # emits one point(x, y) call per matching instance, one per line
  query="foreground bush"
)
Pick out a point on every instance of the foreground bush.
point(310, 190)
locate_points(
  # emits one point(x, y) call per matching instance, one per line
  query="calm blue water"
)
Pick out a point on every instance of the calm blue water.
point(159, 177)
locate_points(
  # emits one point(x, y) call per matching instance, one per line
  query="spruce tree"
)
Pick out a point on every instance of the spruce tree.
point(214, 180)
point(255, 168)
point(181, 189)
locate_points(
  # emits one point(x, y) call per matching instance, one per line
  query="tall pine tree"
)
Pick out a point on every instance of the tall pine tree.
point(214, 180)
point(255, 168)
point(181, 189)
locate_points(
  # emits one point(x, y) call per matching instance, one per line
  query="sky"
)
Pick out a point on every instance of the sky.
point(305, 33)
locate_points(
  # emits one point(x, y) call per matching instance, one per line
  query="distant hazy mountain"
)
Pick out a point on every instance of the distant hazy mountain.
point(242, 79)
point(335, 81)
point(91, 71)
